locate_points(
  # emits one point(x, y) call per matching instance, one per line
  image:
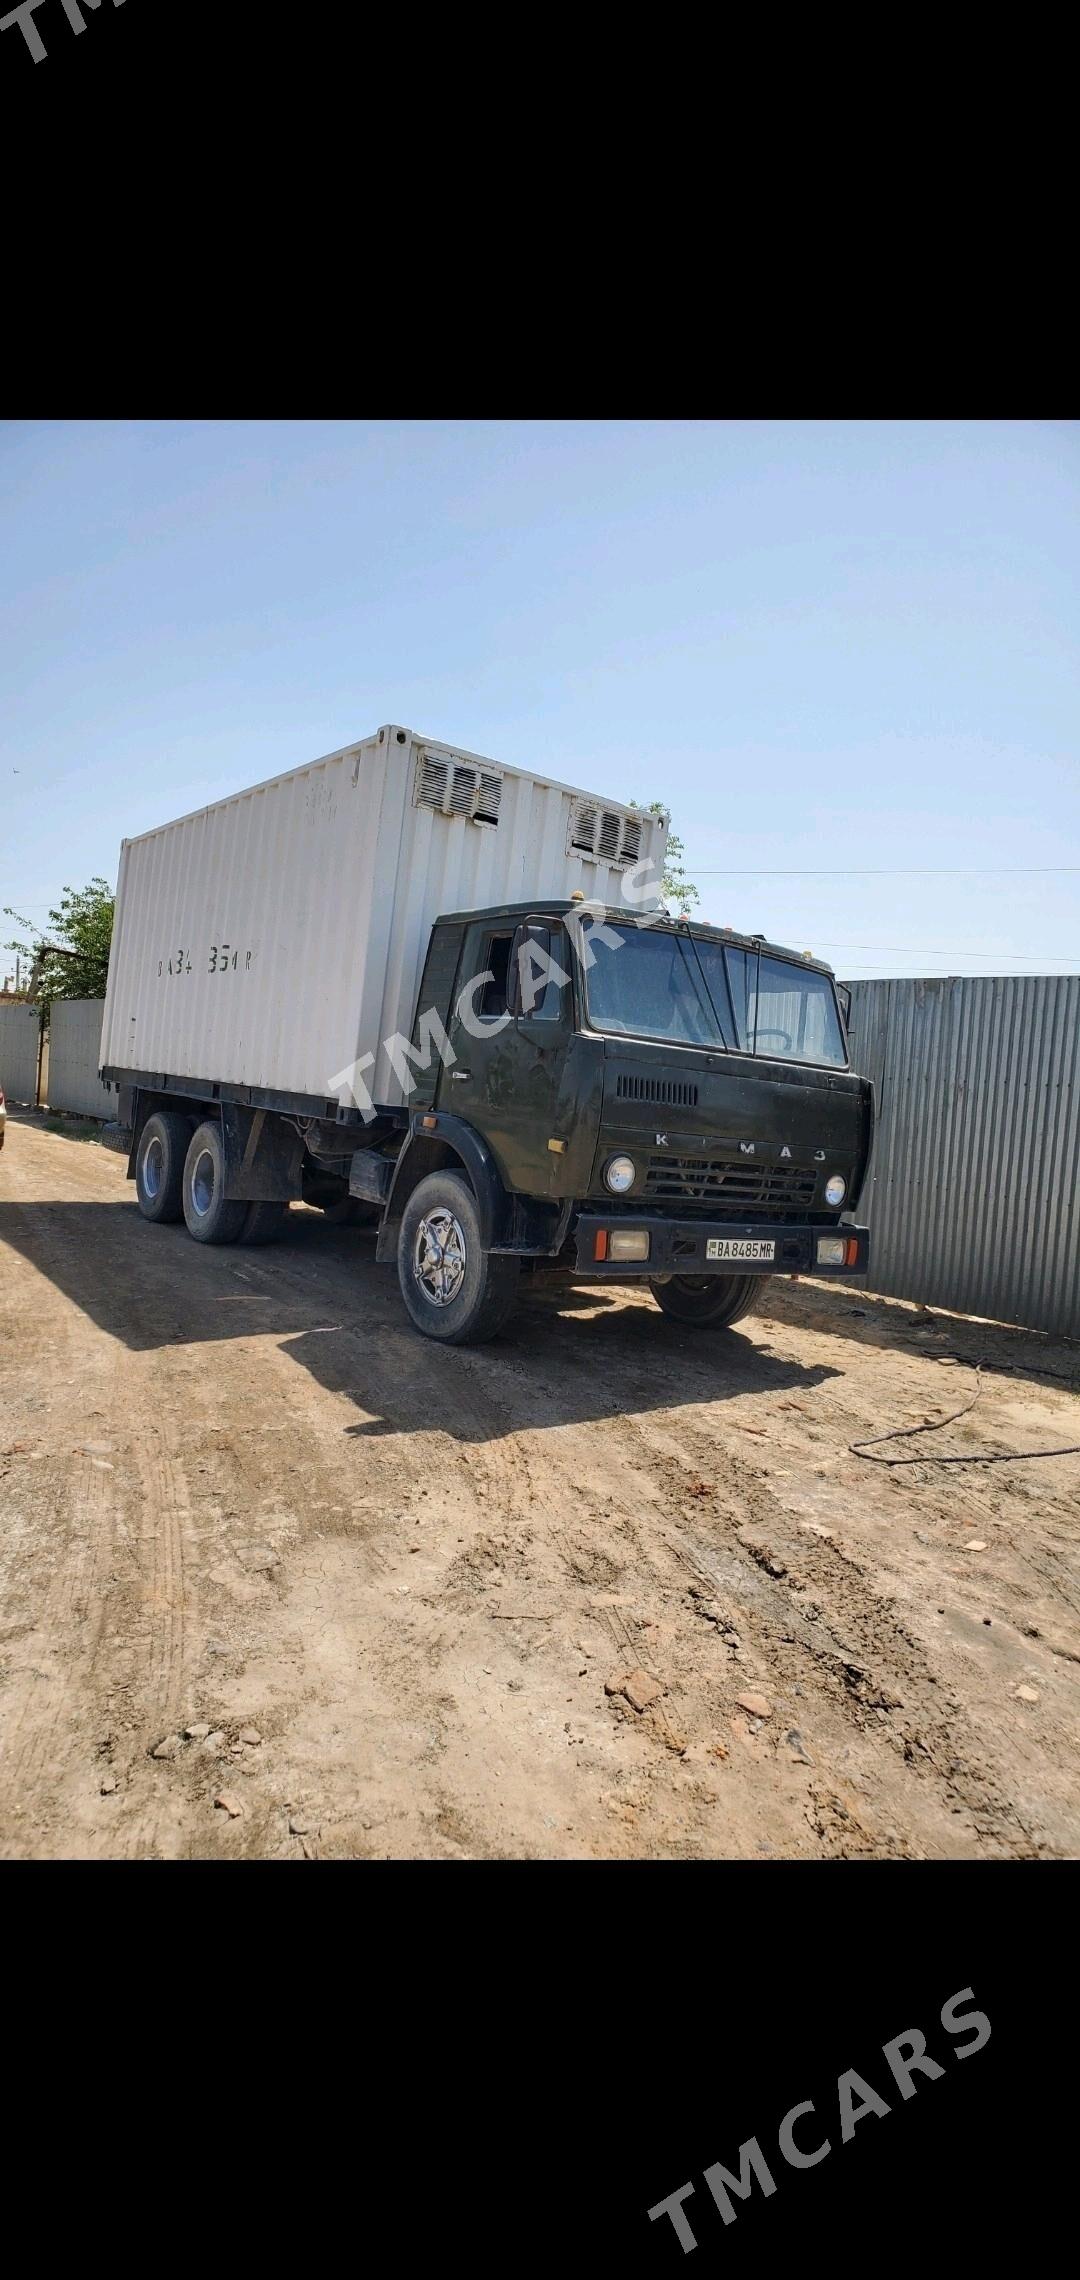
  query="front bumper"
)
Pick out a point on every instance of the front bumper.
point(678, 1247)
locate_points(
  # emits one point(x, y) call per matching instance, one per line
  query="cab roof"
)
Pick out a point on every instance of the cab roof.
point(555, 906)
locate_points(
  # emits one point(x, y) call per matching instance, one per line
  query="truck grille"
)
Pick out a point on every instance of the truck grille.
point(673, 1092)
point(737, 1190)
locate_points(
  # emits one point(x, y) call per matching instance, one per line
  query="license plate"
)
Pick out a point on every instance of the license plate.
point(732, 1247)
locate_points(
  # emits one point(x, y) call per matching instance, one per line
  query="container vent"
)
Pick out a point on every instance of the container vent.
point(455, 788)
point(462, 791)
point(604, 833)
point(431, 789)
point(583, 828)
point(488, 799)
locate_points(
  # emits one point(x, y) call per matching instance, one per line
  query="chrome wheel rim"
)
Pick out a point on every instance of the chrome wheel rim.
point(202, 1184)
point(439, 1257)
point(153, 1168)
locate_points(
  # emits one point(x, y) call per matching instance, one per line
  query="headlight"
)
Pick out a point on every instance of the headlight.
point(835, 1189)
point(628, 1243)
point(620, 1174)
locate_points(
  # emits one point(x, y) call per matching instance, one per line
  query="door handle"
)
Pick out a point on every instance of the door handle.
point(461, 1076)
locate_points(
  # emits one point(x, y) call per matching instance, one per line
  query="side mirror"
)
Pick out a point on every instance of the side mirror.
point(844, 995)
point(513, 973)
point(538, 936)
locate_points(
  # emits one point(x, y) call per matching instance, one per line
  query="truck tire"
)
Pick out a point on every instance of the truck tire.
point(711, 1301)
point(263, 1223)
point(206, 1213)
point(159, 1166)
point(455, 1291)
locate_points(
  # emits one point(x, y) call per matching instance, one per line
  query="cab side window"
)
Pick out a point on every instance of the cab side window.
point(496, 960)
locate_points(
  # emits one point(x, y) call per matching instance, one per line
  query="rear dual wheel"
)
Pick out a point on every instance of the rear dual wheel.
point(264, 1223)
point(208, 1214)
point(181, 1175)
point(707, 1301)
point(159, 1166)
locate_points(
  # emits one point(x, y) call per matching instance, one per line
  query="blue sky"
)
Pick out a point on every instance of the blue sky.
point(832, 648)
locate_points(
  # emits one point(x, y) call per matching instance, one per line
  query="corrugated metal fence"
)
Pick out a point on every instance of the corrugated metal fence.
point(75, 1058)
point(70, 1060)
point(19, 1039)
point(973, 1195)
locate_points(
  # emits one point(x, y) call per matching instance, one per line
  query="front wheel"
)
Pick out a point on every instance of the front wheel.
point(455, 1290)
point(714, 1301)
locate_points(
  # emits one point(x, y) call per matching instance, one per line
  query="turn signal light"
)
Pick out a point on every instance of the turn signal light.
point(837, 1250)
point(600, 1244)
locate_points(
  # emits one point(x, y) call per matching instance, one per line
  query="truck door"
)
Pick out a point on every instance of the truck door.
point(510, 1054)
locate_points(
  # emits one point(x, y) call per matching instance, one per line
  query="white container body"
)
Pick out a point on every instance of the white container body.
point(274, 939)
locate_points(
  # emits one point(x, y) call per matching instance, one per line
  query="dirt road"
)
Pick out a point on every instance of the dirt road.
point(239, 1494)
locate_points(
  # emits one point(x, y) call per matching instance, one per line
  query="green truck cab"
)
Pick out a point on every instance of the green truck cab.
point(623, 1099)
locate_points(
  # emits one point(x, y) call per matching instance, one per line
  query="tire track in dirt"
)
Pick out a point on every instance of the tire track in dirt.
point(814, 1604)
point(65, 1583)
point(851, 1675)
point(587, 1468)
point(57, 1658)
point(169, 1601)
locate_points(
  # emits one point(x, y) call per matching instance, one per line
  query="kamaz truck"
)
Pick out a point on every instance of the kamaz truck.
point(556, 1075)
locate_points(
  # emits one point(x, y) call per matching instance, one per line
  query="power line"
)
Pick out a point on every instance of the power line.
point(874, 973)
point(1002, 871)
point(923, 950)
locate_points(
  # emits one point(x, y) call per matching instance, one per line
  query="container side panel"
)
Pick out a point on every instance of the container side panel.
point(278, 938)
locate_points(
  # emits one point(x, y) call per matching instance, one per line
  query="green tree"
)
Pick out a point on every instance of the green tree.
point(70, 959)
point(678, 889)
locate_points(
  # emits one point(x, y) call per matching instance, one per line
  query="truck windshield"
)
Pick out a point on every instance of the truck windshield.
point(695, 991)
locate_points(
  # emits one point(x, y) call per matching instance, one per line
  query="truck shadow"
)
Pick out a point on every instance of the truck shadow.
point(561, 1360)
point(568, 1354)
